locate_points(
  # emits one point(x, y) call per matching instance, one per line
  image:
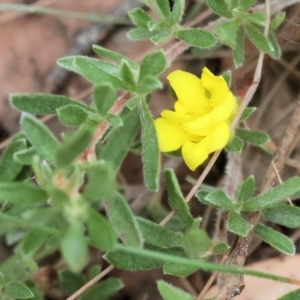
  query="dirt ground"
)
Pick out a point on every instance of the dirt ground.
point(30, 45)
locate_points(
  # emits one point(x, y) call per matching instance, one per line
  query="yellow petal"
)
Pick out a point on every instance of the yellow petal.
point(175, 118)
point(218, 138)
point(194, 154)
point(215, 85)
point(201, 126)
point(190, 93)
point(225, 109)
point(170, 137)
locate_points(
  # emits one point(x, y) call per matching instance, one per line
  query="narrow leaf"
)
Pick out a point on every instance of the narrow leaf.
point(113, 55)
point(258, 38)
point(284, 214)
point(123, 220)
point(33, 241)
point(177, 12)
point(150, 150)
point(9, 167)
point(227, 31)
point(170, 292)
point(247, 189)
point(247, 113)
point(177, 269)
point(253, 137)
point(176, 199)
point(21, 192)
point(197, 37)
point(73, 146)
point(239, 51)
point(153, 64)
point(163, 8)
point(120, 141)
point(71, 115)
point(43, 104)
point(275, 195)
point(104, 97)
point(101, 231)
point(74, 247)
point(40, 137)
point(220, 248)
point(258, 18)
point(216, 198)
point(196, 243)
point(114, 120)
point(277, 20)
point(25, 157)
point(160, 37)
point(148, 85)
point(276, 51)
point(158, 235)
point(137, 34)
point(246, 4)
point(220, 7)
point(127, 76)
point(237, 224)
point(139, 17)
point(17, 290)
point(235, 144)
point(101, 180)
point(275, 239)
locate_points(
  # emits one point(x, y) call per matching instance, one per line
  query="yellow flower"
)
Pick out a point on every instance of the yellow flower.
point(203, 113)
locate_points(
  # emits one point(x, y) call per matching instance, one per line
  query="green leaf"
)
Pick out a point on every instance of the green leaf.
point(246, 4)
point(69, 281)
point(74, 247)
point(237, 224)
point(275, 195)
point(158, 235)
point(71, 115)
point(133, 262)
point(137, 34)
point(9, 167)
point(160, 37)
point(33, 241)
point(227, 76)
point(127, 76)
point(291, 296)
point(216, 198)
point(123, 220)
point(17, 290)
point(25, 156)
point(95, 70)
point(104, 97)
point(197, 37)
point(150, 150)
point(101, 180)
point(170, 292)
point(177, 12)
point(40, 137)
point(139, 17)
point(227, 31)
point(153, 64)
point(113, 55)
point(258, 38)
point(275, 239)
point(103, 290)
point(163, 8)
point(114, 120)
point(177, 269)
point(284, 214)
point(258, 18)
point(196, 243)
point(253, 137)
point(247, 189)
point(247, 113)
point(219, 7)
point(148, 85)
point(73, 146)
point(276, 51)
point(21, 192)
point(176, 199)
point(220, 248)
point(44, 104)
point(277, 20)
point(101, 231)
point(235, 144)
point(239, 51)
point(120, 141)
